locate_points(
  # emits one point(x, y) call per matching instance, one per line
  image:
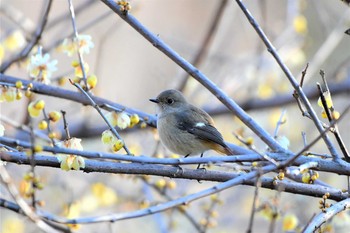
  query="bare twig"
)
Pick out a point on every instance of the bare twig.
point(330, 117)
point(281, 99)
point(35, 39)
point(255, 199)
point(16, 208)
point(330, 212)
point(204, 47)
point(296, 95)
point(280, 121)
point(293, 158)
point(76, 40)
point(22, 204)
point(93, 103)
point(291, 79)
point(44, 89)
point(65, 123)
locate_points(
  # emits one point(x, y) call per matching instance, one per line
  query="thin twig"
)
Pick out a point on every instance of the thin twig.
point(279, 123)
point(76, 96)
point(296, 95)
point(76, 40)
point(328, 111)
point(291, 79)
point(35, 39)
point(93, 103)
point(204, 47)
point(253, 148)
point(65, 123)
point(293, 158)
point(27, 210)
point(255, 199)
point(329, 213)
point(49, 130)
point(16, 208)
point(280, 100)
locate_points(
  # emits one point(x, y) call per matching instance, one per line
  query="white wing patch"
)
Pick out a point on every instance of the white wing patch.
point(200, 124)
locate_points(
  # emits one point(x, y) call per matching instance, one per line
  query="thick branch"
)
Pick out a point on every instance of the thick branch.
point(175, 172)
point(75, 96)
point(330, 212)
point(323, 164)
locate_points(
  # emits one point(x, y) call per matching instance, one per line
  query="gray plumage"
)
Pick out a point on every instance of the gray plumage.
point(185, 129)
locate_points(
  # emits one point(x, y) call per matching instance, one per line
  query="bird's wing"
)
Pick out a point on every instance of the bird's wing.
point(202, 127)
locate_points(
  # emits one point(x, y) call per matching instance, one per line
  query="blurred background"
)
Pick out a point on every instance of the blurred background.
point(217, 38)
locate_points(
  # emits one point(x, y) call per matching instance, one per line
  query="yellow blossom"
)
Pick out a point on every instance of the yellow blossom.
point(78, 71)
point(161, 183)
point(19, 95)
point(54, 116)
point(14, 41)
point(39, 105)
point(85, 44)
point(123, 120)
point(12, 224)
point(72, 210)
point(300, 24)
point(112, 118)
point(42, 125)
point(105, 195)
point(306, 177)
point(120, 119)
point(9, 94)
point(41, 68)
point(73, 143)
point(117, 145)
point(91, 81)
point(328, 98)
point(335, 115)
point(108, 137)
point(134, 119)
point(69, 46)
point(265, 90)
point(25, 188)
point(19, 84)
point(33, 112)
point(69, 162)
point(290, 222)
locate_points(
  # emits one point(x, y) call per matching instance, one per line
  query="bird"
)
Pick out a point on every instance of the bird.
point(186, 129)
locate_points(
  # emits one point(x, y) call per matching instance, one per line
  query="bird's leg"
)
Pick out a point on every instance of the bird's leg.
point(187, 155)
point(199, 163)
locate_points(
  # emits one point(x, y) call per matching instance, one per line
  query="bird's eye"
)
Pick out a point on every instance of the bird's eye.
point(170, 101)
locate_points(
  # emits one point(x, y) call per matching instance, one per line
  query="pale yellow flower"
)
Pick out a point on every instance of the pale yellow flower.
point(69, 162)
point(12, 224)
point(14, 41)
point(41, 68)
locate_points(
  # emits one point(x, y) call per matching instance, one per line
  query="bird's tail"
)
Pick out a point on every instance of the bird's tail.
point(224, 150)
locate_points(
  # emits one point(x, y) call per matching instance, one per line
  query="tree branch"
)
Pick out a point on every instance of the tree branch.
point(199, 76)
point(290, 77)
point(35, 39)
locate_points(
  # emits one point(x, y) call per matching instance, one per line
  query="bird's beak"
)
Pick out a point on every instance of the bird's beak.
point(154, 101)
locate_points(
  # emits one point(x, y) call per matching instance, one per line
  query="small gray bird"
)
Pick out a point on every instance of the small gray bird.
point(185, 129)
